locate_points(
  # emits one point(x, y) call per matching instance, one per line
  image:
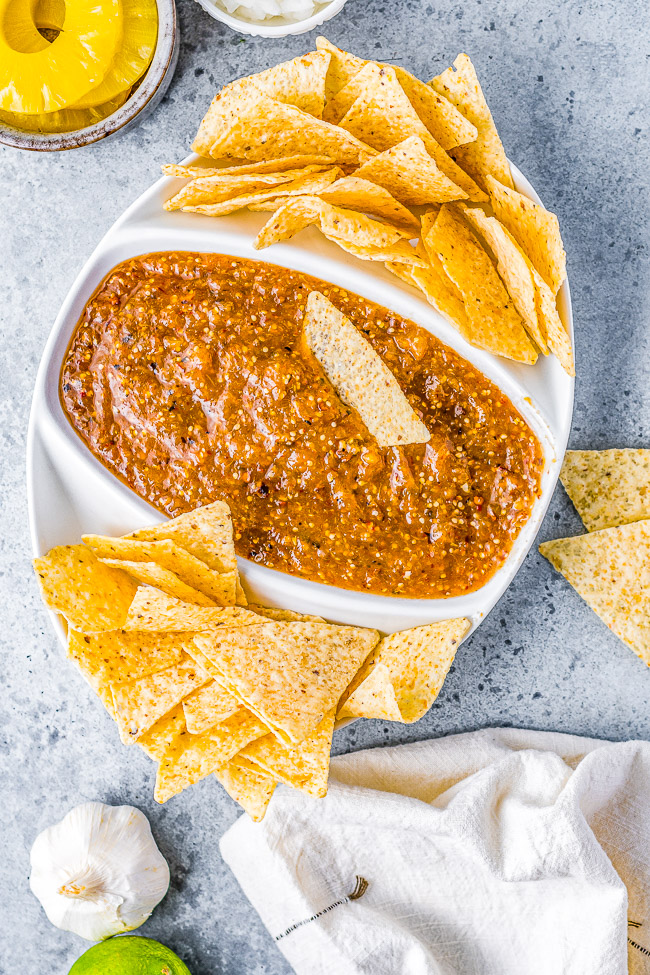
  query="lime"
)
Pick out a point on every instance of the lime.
point(129, 956)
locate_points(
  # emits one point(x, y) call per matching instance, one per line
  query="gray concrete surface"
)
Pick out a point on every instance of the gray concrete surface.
point(568, 84)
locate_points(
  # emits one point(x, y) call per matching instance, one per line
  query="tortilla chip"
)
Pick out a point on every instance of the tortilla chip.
point(192, 757)
point(245, 123)
point(401, 252)
point(494, 323)
point(152, 574)
point(360, 194)
point(359, 375)
point(219, 587)
point(536, 230)
point(486, 154)
point(304, 766)
point(408, 670)
point(608, 487)
point(289, 674)
point(383, 116)
point(208, 706)
point(299, 82)
point(205, 167)
point(557, 337)
point(610, 569)
point(90, 595)
point(216, 188)
point(251, 790)
point(513, 269)
point(307, 185)
point(155, 611)
point(283, 615)
point(158, 741)
point(441, 118)
point(206, 533)
point(139, 704)
point(408, 172)
point(438, 289)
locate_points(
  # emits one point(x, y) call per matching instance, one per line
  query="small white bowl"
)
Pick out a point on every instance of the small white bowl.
point(274, 26)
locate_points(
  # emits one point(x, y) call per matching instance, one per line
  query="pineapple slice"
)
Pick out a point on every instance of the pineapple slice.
point(134, 54)
point(65, 120)
point(36, 79)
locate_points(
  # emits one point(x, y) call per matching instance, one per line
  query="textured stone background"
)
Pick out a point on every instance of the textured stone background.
point(567, 83)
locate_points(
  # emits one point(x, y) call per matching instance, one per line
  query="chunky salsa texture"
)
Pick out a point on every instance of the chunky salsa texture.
point(188, 378)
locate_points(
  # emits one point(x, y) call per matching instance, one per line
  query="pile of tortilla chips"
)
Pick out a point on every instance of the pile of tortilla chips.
point(160, 627)
point(378, 161)
point(610, 566)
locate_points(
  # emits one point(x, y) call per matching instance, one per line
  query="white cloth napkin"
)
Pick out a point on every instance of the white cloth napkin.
point(496, 852)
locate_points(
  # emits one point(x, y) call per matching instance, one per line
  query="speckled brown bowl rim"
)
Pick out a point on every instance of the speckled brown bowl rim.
point(149, 92)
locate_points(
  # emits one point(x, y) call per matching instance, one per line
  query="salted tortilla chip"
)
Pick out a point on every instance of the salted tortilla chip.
point(443, 120)
point(155, 611)
point(192, 757)
point(401, 252)
point(216, 188)
point(289, 674)
point(206, 167)
point(114, 655)
point(485, 155)
point(359, 376)
point(139, 704)
point(207, 706)
point(367, 197)
point(557, 337)
point(152, 574)
point(245, 123)
point(303, 185)
point(608, 487)
point(304, 766)
point(219, 587)
point(90, 595)
point(206, 533)
point(299, 82)
point(162, 737)
point(513, 269)
point(438, 289)
point(383, 116)
point(494, 323)
point(290, 218)
point(610, 569)
point(283, 615)
point(250, 789)
point(410, 174)
point(407, 672)
point(536, 230)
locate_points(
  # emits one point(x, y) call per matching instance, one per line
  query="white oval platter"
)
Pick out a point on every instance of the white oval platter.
point(70, 492)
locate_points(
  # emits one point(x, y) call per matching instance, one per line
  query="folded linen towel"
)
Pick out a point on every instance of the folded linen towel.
point(495, 852)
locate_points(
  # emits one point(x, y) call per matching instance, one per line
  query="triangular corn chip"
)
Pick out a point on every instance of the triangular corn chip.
point(155, 611)
point(289, 674)
point(513, 269)
point(158, 741)
point(216, 188)
point(341, 69)
point(557, 337)
point(283, 615)
point(608, 487)
point(250, 789)
point(304, 766)
point(299, 82)
point(219, 587)
point(610, 569)
point(206, 533)
point(245, 123)
point(139, 704)
point(536, 230)
point(152, 574)
point(408, 670)
point(359, 376)
point(208, 706)
point(207, 167)
point(401, 252)
point(306, 185)
point(383, 116)
point(494, 323)
point(408, 172)
point(485, 155)
point(360, 194)
point(90, 595)
point(192, 757)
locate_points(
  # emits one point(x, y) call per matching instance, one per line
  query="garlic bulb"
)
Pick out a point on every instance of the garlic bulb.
point(98, 872)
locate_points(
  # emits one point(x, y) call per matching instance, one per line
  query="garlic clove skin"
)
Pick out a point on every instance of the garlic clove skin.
point(98, 872)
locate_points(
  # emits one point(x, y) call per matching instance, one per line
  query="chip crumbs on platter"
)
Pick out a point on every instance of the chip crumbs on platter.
point(608, 487)
point(359, 375)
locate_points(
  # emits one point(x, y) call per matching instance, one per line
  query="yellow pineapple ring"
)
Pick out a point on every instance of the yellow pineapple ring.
point(134, 54)
point(53, 77)
point(66, 120)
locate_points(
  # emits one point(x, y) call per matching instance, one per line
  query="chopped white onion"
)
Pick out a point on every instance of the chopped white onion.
point(257, 11)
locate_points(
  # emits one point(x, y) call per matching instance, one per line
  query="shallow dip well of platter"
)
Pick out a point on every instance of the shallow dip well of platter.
point(71, 492)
